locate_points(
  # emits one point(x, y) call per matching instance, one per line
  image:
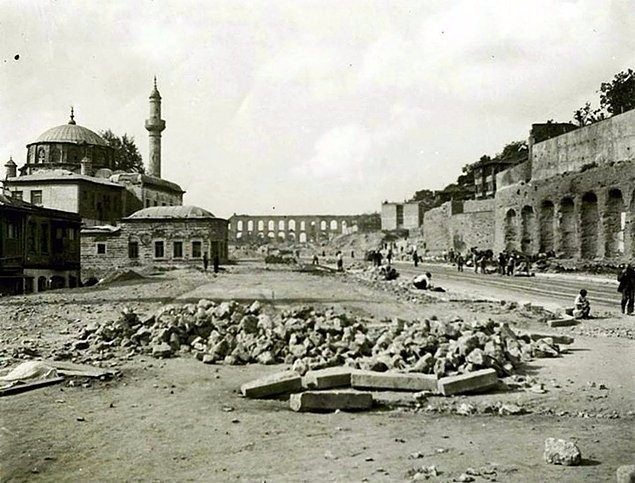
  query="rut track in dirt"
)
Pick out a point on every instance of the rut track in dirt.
point(604, 294)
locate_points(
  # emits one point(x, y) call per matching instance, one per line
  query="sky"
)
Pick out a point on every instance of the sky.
point(307, 107)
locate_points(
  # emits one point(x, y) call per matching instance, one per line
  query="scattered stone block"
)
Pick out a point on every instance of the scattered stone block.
point(280, 383)
point(328, 378)
point(162, 350)
point(393, 381)
point(564, 322)
point(324, 401)
point(561, 452)
point(626, 474)
point(470, 382)
point(557, 339)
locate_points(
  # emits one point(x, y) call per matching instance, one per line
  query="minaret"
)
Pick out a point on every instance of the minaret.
point(155, 125)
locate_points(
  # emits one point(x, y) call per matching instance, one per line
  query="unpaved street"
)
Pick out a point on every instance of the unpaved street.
point(179, 419)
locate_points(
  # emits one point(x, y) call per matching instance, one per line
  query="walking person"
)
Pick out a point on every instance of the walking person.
point(626, 287)
point(459, 262)
point(511, 265)
point(415, 258)
point(340, 261)
point(502, 263)
point(205, 261)
point(216, 263)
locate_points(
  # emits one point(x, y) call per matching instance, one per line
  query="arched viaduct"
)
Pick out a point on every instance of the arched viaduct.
point(300, 228)
point(586, 221)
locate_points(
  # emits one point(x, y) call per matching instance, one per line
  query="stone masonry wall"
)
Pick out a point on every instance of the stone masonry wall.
point(412, 215)
point(211, 233)
point(589, 214)
point(472, 226)
point(609, 141)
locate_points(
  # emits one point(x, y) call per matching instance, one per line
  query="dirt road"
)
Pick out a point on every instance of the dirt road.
point(179, 419)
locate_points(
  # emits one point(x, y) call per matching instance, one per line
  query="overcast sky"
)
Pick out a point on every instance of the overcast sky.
point(307, 107)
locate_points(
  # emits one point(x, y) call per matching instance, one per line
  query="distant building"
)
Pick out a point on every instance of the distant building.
point(391, 216)
point(155, 237)
point(407, 215)
point(39, 247)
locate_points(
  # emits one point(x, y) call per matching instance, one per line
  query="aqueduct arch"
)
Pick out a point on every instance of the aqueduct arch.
point(528, 221)
point(567, 228)
point(614, 224)
point(589, 221)
point(547, 218)
point(303, 228)
point(510, 230)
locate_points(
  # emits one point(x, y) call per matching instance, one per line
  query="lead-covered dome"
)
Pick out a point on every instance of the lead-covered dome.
point(71, 133)
point(187, 211)
point(64, 147)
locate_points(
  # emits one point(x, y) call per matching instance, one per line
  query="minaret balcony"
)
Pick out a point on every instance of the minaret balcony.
point(155, 124)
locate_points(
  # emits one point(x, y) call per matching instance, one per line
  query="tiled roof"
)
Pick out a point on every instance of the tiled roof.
point(59, 175)
point(138, 178)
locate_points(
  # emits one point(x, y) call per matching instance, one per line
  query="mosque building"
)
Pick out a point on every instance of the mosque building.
point(71, 168)
point(128, 219)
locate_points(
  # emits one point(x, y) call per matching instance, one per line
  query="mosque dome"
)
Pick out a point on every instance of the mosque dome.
point(72, 133)
point(186, 211)
point(63, 147)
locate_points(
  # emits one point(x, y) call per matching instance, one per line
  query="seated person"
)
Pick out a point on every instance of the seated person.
point(581, 306)
point(423, 282)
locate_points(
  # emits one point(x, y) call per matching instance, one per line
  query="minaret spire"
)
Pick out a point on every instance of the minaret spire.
point(155, 125)
point(72, 121)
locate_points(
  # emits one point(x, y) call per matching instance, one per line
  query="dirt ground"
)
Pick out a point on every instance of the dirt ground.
point(179, 419)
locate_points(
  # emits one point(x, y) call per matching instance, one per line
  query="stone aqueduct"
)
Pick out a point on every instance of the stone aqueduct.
point(597, 223)
point(301, 228)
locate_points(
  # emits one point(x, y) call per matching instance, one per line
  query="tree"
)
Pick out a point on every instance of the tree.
point(618, 96)
point(127, 156)
point(515, 152)
point(586, 115)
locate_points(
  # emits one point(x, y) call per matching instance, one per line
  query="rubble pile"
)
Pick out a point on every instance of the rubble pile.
point(383, 272)
point(234, 333)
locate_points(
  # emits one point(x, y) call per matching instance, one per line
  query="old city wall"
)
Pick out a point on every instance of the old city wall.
point(459, 226)
point(602, 143)
point(588, 214)
point(436, 228)
point(517, 174)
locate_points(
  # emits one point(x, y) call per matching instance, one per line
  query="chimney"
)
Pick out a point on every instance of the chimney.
point(87, 167)
point(11, 168)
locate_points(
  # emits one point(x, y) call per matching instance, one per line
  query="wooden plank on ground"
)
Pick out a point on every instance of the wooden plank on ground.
point(19, 388)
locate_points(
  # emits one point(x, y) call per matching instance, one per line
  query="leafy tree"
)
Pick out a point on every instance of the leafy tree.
point(127, 156)
point(618, 96)
point(586, 115)
point(514, 151)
